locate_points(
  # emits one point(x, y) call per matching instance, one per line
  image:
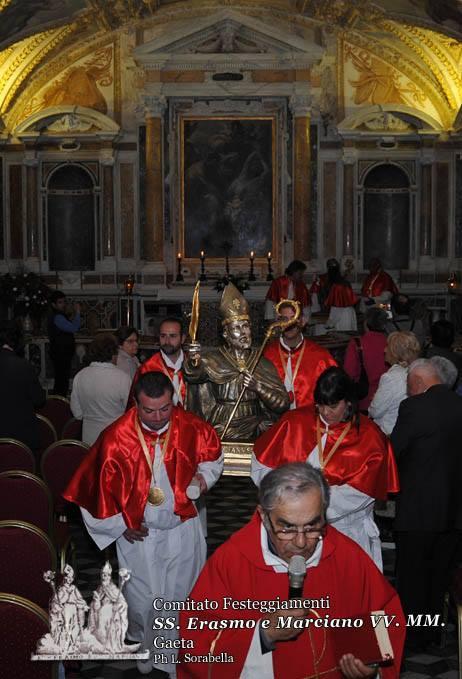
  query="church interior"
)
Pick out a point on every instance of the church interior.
point(146, 145)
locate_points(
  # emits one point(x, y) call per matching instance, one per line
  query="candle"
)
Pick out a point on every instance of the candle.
point(202, 276)
point(269, 256)
point(179, 275)
point(179, 256)
point(202, 254)
point(251, 272)
point(252, 255)
point(269, 276)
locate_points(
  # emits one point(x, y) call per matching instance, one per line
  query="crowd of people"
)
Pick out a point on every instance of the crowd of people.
point(328, 442)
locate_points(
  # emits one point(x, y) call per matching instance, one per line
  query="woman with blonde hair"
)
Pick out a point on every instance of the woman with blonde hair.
point(401, 350)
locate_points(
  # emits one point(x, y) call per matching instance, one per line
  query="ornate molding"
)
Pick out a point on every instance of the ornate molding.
point(61, 122)
point(301, 105)
point(154, 107)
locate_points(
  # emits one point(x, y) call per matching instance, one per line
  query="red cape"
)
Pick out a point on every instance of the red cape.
point(156, 364)
point(237, 570)
point(341, 296)
point(314, 361)
point(364, 459)
point(375, 284)
point(115, 476)
point(279, 289)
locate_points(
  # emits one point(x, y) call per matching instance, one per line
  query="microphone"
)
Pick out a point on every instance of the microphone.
point(297, 572)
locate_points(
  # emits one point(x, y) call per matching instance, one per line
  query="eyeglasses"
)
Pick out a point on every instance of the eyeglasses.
point(291, 533)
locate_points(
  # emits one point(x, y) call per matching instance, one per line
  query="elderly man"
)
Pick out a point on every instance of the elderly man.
point(215, 381)
point(168, 360)
point(379, 286)
point(133, 489)
point(426, 441)
point(299, 361)
point(251, 571)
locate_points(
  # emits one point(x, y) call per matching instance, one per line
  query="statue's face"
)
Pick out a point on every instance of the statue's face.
point(238, 335)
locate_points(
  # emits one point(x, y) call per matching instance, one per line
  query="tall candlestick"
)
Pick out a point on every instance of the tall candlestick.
point(203, 276)
point(269, 276)
point(179, 275)
point(251, 272)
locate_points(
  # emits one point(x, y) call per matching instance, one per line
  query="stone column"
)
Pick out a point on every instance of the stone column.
point(107, 168)
point(32, 230)
point(301, 108)
point(348, 204)
point(15, 195)
point(426, 210)
point(153, 236)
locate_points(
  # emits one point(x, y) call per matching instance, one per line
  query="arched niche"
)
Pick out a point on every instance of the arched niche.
point(386, 216)
point(71, 208)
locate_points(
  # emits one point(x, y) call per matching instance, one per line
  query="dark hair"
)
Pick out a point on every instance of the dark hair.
point(332, 386)
point(296, 265)
point(376, 319)
point(103, 348)
point(401, 304)
point(11, 334)
point(154, 384)
point(124, 332)
point(173, 319)
point(55, 295)
point(442, 333)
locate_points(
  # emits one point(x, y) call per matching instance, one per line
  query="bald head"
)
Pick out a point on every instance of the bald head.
point(422, 375)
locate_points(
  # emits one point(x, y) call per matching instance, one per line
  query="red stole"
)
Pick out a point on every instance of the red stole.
point(314, 361)
point(341, 295)
point(115, 476)
point(364, 459)
point(279, 289)
point(376, 283)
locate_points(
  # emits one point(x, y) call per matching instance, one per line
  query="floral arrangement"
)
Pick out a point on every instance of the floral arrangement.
point(25, 293)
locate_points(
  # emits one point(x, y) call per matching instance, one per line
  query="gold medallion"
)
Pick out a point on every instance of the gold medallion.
point(156, 496)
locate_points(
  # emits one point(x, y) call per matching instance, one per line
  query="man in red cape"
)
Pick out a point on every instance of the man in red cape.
point(132, 488)
point(379, 287)
point(289, 286)
point(350, 449)
point(248, 576)
point(168, 360)
point(299, 361)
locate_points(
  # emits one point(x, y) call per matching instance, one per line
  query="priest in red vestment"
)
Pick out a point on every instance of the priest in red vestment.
point(242, 630)
point(289, 286)
point(133, 488)
point(379, 287)
point(340, 301)
point(298, 360)
point(168, 360)
point(353, 453)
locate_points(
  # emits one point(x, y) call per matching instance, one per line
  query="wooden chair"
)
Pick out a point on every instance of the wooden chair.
point(58, 464)
point(26, 553)
point(57, 410)
point(25, 497)
point(47, 433)
point(22, 625)
point(16, 455)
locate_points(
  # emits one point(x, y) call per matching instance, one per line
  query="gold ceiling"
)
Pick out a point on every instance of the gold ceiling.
point(426, 52)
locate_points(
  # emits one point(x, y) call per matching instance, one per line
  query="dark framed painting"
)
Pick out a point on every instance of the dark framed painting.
point(227, 186)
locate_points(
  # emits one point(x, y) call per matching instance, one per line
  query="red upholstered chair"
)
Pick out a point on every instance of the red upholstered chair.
point(25, 554)
point(47, 433)
point(58, 464)
point(72, 429)
point(22, 623)
point(57, 409)
point(25, 497)
point(16, 455)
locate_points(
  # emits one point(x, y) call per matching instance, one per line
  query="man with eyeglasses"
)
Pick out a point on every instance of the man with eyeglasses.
point(250, 571)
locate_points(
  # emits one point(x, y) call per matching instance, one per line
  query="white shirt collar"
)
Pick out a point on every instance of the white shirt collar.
point(156, 431)
point(281, 566)
point(168, 361)
point(289, 349)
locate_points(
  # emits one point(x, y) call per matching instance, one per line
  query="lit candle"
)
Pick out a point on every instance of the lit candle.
point(252, 256)
point(269, 256)
point(179, 255)
point(179, 275)
point(202, 276)
point(251, 272)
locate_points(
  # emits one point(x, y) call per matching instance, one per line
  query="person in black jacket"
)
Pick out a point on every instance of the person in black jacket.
point(20, 390)
point(61, 331)
point(427, 444)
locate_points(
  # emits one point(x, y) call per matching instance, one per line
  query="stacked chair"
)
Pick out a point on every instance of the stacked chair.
point(34, 535)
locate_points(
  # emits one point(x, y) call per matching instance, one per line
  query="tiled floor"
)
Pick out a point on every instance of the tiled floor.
point(229, 505)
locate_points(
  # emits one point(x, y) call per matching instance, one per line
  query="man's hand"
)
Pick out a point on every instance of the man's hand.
point(202, 483)
point(134, 535)
point(275, 634)
point(250, 382)
point(353, 668)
